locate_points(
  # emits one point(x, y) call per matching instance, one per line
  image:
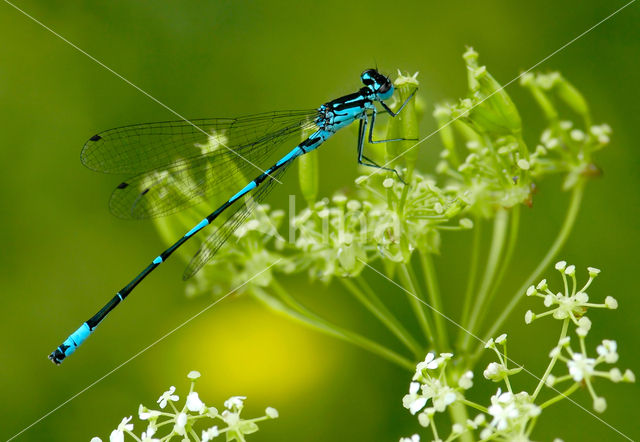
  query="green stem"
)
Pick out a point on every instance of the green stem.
point(473, 271)
point(560, 396)
point(497, 244)
point(567, 225)
point(458, 413)
point(384, 316)
point(511, 245)
point(543, 380)
point(433, 291)
point(296, 311)
point(417, 302)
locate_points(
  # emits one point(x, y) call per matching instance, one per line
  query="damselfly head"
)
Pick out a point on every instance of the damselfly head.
point(378, 83)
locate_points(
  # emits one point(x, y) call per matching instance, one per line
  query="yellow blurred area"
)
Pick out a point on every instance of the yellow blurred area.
point(248, 346)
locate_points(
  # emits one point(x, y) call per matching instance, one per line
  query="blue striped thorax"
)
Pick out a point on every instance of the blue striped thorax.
point(343, 111)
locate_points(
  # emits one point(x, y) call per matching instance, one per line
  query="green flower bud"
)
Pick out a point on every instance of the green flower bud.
point(442, 114)
point(405, 124)
point(572, 97)
point(308, 176)
point(496, 107)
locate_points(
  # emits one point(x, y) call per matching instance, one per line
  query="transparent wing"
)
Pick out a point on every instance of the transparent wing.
point(213, 243)
point(148, 146)
point(190, 166)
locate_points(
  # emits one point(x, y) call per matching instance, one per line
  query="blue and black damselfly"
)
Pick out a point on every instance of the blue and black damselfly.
point(181, 163)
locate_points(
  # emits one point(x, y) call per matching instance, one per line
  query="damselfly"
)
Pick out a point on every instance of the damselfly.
point(181, 163)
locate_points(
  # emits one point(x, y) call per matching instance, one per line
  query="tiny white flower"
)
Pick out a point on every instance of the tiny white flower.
point(95, 439)
point(566, 125)
point(147, 436)
point(582, 297)
point(193, 375)
point(561, 265)
point(339, 199)
point(234, 402)
point(430, 363)
point(502, 409)
point(272, 412)
point(492, 371)
point(457, 429)
point(479, 419)
point(414, 438)
point(593, 272)
point(600, 404)
point(542, 285)
point(629, 376)
point(168, 396)
point(194, 403)
point(584, 323)
point(577, 135)
point(611, 302)
point(523, 164)
point(416, 404)
point(531, 290)
point(354, 205)
point(209, 434)
point(387, 183)
point(581, 367)
point(608, 350)
point(144, 413)
point(502, 338)
point(570, 270)
point(529, 317)
point(489, 344)
point(550, 381)
point(117, 435)
point(548, 300)
point(423, 419)
point(181, 421)
point(615, 375)
point(466, 380)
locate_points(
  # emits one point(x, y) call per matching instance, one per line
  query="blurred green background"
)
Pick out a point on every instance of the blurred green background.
point(63, 255)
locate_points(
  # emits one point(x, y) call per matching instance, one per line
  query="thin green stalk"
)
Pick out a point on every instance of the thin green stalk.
point(567, 225)
point(433, 291)
point(458, 413)
point(473, 271)
point(497, 244)
point(552, 363)
point(294, 310)
point(560, 396)
point(385, 317)
point(511, 245)
point(417, 302)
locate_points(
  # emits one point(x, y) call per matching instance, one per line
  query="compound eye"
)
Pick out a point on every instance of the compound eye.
point(368, 76)
point(384, 86)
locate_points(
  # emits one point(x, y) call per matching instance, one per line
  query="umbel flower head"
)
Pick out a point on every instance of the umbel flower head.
point(571, 302)
point(430, 384)
point(570, 306)
point(194, 413)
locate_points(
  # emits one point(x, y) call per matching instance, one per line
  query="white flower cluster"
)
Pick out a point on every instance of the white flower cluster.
point(571, 302)
point(572, 305)
point(430, 383)
point(180, 422)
